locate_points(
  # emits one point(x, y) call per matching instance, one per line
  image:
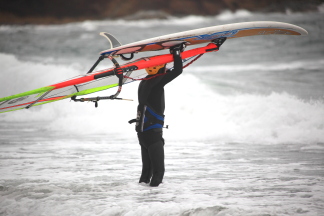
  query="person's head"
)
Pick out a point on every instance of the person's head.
point(156, 69)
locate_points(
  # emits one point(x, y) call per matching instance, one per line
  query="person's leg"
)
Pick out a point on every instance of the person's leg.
point(156, 153)
point(146, 166)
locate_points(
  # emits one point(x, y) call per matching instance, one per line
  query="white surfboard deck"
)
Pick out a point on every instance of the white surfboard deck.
point(205, 35)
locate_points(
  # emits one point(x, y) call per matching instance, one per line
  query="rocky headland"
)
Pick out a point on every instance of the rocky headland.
point(64, 11)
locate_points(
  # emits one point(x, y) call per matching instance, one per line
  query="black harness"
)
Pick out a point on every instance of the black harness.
point(148, 119)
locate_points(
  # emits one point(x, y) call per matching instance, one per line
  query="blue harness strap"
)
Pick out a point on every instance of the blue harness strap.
point(147, 119)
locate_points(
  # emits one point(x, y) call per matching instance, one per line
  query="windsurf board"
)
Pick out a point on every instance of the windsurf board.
point(205, 35)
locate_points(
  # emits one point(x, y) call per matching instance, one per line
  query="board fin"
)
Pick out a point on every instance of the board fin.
point(111, 39)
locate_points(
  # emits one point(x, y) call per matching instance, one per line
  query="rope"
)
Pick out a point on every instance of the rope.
point(198, 56)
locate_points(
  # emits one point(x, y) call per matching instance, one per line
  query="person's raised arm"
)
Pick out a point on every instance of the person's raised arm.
point(177, 69)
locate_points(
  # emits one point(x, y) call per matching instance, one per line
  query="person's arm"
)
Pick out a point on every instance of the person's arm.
point(177, 69)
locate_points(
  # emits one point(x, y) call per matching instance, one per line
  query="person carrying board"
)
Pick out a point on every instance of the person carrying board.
point(150, 117)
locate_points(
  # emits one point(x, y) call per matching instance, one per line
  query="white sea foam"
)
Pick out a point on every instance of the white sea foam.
point(228, 15)
point(321, 8)
point(251, 118)
point(190, 20)
point(147, 23)
point(19, 76)
point(308, 65)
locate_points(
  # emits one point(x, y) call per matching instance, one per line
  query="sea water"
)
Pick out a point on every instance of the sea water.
point(246, 124)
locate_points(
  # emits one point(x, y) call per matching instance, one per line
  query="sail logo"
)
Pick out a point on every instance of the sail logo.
point(17, 100)
point(217, 35)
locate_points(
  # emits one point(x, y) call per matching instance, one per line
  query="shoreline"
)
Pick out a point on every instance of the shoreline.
point(19, 21)
point(49, 13)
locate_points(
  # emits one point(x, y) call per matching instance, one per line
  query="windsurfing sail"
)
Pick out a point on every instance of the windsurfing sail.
point(92, 82)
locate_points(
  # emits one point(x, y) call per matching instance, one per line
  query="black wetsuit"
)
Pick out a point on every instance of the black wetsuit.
point(152, 103)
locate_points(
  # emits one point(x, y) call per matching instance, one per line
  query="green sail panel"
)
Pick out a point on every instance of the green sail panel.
point(35, 91)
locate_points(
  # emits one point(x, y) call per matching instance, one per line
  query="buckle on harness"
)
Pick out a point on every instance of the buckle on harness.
point(132, 121)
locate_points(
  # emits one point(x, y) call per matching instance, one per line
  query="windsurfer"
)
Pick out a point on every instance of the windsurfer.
point(150, 117)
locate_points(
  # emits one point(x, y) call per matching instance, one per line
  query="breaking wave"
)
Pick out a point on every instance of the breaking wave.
point(193, 110)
